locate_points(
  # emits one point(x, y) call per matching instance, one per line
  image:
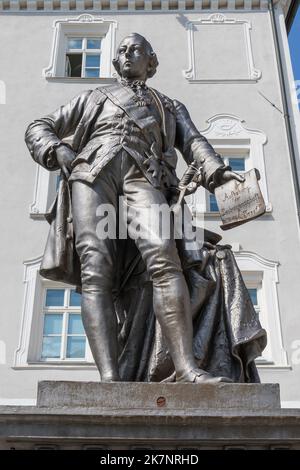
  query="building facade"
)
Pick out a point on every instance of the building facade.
point(228, 62)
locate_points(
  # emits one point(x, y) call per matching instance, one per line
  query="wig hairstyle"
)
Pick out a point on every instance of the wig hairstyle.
point(153, 58)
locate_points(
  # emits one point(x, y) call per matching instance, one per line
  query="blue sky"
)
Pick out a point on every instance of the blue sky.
point(294, 42)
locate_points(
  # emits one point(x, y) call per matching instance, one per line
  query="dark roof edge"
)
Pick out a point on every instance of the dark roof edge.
point(291, 14)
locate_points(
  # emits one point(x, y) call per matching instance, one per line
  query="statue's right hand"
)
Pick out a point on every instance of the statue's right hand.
point(65, 157)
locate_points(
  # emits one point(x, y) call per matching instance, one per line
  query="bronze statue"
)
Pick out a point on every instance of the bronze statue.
point(124, 140)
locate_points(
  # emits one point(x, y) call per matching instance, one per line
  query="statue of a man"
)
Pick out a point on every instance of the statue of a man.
point(124, 140)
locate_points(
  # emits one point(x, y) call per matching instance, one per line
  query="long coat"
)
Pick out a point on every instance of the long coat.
point(77, 118)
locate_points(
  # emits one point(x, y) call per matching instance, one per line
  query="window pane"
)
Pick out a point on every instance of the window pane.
point(237, 164)
point(53, 324)
point(213, 206)
point(253, 296)
point(58, 178)
point(92, 61)
point(55, 297)
point(75, 325)
point(75, 299)
point(92, 73)
point(75, 43)
point(51, 347)
point(93, 43)
point(76, 347)
point(73, 65)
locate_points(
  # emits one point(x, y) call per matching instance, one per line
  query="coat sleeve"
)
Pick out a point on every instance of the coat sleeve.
point(195, 146)
point(42, 135)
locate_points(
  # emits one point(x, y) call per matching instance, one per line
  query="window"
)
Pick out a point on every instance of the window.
point(83, 48)
point(261, 279)
point(52, 332)
point(254, 284)
point(237, 163)
point(63, 332)
point(255, 293)
point(213, 206)
point(83, 57)
point(253, 296)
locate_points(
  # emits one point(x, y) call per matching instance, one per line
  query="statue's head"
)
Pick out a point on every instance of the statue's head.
point(135, 58)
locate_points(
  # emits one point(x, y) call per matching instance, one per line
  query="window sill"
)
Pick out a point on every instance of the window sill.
point(272, 366)
point(212, 214)
point(101, 80)
point(57, 365)
point(84, 365)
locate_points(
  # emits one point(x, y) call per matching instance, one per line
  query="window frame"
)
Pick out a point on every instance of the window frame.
point(84, 51)
point(65, 310)
point(28, 352)
point(85, 25)
point(255, 280)
point(262, 274)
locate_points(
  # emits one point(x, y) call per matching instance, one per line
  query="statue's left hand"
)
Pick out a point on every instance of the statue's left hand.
point(229, 175)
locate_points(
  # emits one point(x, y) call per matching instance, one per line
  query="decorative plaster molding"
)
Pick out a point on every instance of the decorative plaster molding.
point(258, 260)
point(112, 5)
point(41, 189)
point(38, 6)
point(219, 19)
point(32, 290)
point(226, 125)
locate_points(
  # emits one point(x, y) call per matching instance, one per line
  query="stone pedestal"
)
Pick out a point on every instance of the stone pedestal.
point(80, 415)
point(165, 397)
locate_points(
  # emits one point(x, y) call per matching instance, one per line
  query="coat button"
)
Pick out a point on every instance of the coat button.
point(94, 172)
point(69, 219)
point(221, 254)
point(202, 160)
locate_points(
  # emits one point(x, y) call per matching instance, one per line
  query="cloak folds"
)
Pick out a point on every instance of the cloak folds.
point(227, 332)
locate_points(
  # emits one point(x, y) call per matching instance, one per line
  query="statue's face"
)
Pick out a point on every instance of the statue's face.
point(133, 58)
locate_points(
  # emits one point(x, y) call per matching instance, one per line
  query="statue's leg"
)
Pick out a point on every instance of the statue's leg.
point(170, 293)
point(98, 259)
